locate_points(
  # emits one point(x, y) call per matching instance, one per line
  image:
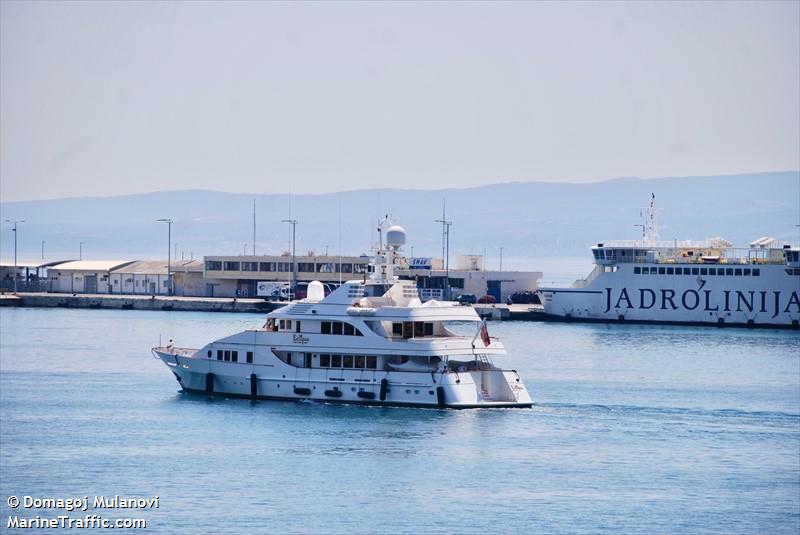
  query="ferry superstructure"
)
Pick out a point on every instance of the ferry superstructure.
point(684, 282)
point(371, 342)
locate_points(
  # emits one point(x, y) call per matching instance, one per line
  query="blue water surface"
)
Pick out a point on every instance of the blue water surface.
point(636, 429)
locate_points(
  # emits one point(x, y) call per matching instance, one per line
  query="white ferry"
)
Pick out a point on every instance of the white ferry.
point(708, 283)
point(371, 341)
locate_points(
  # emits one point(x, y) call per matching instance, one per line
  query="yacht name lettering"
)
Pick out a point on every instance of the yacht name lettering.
point(299, 339)
point(668, 299)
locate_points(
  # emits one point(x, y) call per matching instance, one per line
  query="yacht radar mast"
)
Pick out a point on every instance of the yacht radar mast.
point(650, 230)
point(385, 257)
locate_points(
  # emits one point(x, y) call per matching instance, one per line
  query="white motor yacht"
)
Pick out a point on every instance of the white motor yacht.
point(370, 341)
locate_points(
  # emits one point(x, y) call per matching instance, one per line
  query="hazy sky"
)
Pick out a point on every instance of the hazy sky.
point(104, 98)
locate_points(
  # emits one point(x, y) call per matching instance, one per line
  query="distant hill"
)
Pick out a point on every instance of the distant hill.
point(528, 219)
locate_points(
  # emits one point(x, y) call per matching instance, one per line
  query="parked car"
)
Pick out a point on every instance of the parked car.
point(467, 299)
point(526, 298)
point(487, 300)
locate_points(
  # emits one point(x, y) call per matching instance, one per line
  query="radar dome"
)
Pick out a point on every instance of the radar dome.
point(316, 291)
point(396, 236)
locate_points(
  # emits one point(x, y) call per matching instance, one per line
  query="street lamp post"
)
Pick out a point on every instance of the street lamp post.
point(80, 250)
point(43, 242)
point(293, 223)
point(14, 230)
point(501, 259)
point(168, 221)
point(446, 224)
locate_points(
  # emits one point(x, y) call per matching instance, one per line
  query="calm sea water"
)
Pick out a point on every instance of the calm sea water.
point(636, 429)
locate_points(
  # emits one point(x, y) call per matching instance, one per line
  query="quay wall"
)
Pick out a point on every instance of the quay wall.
point(137, 302)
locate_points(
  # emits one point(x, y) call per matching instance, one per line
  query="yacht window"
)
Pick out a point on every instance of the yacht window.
point(357, 332)
point(359, 361)
point(397, 329)
point(347, 361)
point(348, 329)
point(219, 354)
point(324, 361)
point(756, 272)
point(289, 359)
point(326, 327)
point(372, 362)
point(234, 356)
point(336, 361)
point(408, 329)
point(337, 327)
point(249, 357)
point(419, 329)
point(308, 360)
point(227, 355)
point(297, 326)
point(428, 329)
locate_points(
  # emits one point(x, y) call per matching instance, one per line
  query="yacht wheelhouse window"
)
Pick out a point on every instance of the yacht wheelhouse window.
point(324, 361)
point(397, 329)
point(219, 354)
point(336, 361)
point(419, 329)
point(428, 328)
point(347, 361)
point(285, 325)
point(348, 329)
point(359, 361)
point(297, 326)
point(227, 355)
point(372, 361)
point(249, 357)
point(326, 327)
point(308, 360)
point(337, 327)
point(234, 356)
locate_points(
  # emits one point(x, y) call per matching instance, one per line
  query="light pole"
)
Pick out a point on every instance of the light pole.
point(446, 225)
point(169, 251)
point(80, 250)
point(293, 223)
point(43, 242)
point(501, 259)
point(14, 230)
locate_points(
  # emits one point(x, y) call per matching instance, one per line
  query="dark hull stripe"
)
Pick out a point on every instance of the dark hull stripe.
point(544, 316)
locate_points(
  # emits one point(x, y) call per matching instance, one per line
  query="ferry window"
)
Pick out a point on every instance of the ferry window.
point(219, 354)
point(661, 271)
point(695, 271)
point(227, 355)
point(347, 361)
point(324, 361)
point(372, 362)
point(234, 356)
point(729, 272)
point(397, 329)
point(720, 272)
point(297, 326)
point(359, 361)
point(756, 272)
point(670, 271)
point(348, 329)
point(687, 271)
point(737, 272)
point(747, 272)
point(428, 329)
point(249, 357)
point(637, 270)
point(679, 271)
point(337, 327)
point(336, 361)
point(711, 271)
point(326, 327)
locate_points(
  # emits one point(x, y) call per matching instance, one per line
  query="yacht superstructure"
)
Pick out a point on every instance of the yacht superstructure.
point(705, 283)
point(370, 341)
